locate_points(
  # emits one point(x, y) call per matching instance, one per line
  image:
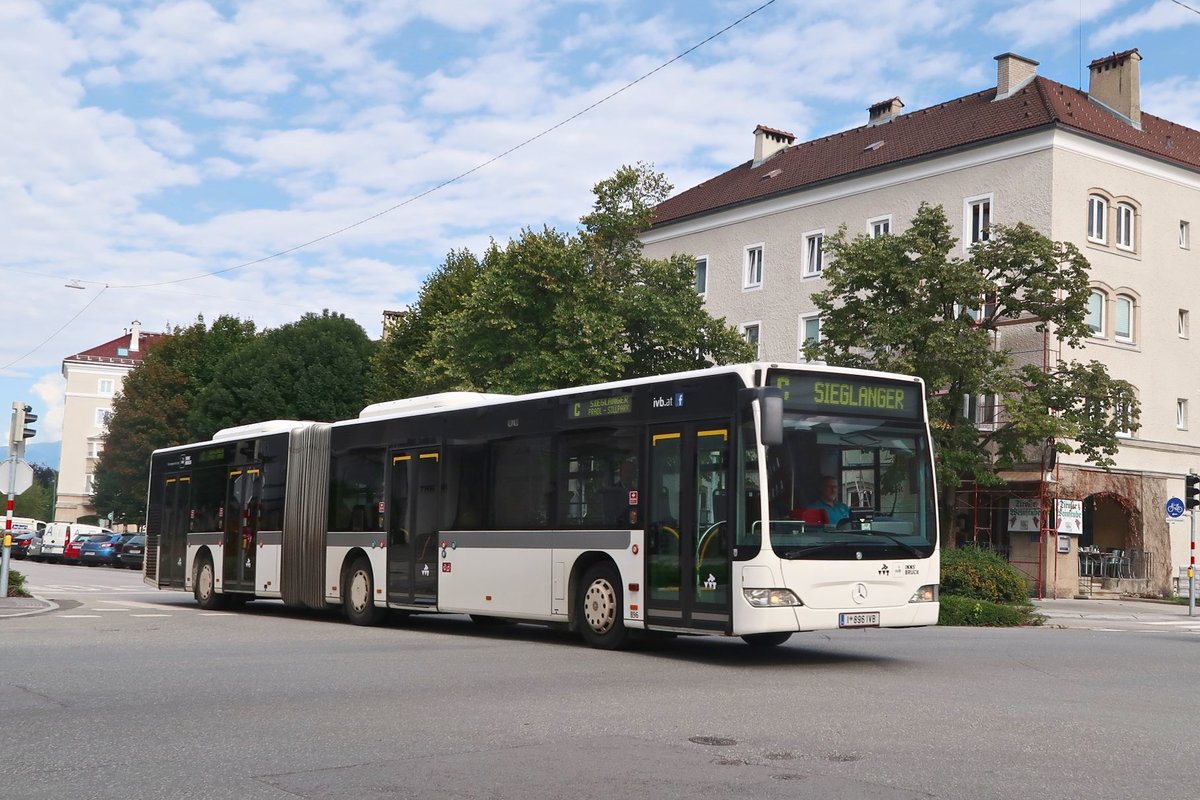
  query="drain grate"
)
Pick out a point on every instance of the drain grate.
point(713, 741)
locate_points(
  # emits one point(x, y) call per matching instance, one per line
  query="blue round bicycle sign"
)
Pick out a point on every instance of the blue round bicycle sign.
point(1175, 508)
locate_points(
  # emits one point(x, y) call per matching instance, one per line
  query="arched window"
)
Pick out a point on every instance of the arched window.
point(1123, 318)
point(1095, 312)
point(1126, 226)
point(1097, 219)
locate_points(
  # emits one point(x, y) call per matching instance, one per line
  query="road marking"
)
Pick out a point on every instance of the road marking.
point(79, 616)
point(110, 609)
point(149, 615)
point(215, 614)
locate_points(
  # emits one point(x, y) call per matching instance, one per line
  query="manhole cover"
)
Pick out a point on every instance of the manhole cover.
point(713, 741)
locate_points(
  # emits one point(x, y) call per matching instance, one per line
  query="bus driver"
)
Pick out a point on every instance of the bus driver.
point(830, 501)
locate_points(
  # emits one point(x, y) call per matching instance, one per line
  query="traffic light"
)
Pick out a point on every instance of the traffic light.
point(1191, 492)
point(23, 417)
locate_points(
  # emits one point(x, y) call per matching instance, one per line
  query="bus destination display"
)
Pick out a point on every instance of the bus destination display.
point(841, 394)
point(601, 407)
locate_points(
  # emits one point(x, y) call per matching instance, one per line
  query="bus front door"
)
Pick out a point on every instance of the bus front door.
point(243, 498)
point(414, 495)
point(687, 531)
point(172, 542)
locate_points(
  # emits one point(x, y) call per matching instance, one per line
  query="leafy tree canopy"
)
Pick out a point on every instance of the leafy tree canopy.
point(311, 369)
point(154, 409)
point(905, 303)
point(553, 309)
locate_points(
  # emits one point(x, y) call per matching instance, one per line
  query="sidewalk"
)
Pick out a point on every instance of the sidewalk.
point(24, 606)
point(1090, 613)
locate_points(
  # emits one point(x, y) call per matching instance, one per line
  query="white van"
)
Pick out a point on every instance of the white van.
point(55, 538)
point(27, 525)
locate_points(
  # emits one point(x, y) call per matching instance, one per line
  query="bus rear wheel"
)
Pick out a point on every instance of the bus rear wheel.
point(767, 639)
point(358, 594)
point(204, 585)
point(601, 621)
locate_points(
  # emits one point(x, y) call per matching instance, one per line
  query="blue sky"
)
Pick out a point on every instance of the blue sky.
point(153, 142)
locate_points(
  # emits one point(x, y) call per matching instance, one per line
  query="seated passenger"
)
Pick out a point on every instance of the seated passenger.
point(830, 501)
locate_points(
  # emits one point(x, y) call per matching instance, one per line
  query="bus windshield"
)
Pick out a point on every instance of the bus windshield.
point(851, 487)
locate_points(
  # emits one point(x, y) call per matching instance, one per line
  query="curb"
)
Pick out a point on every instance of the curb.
point(23, 611)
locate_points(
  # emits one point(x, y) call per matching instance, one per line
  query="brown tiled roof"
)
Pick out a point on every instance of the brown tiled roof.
point(965, 121)
point(117, 351)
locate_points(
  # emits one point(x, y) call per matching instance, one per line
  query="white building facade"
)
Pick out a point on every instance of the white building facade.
point(93, 378)
point(1085, 167)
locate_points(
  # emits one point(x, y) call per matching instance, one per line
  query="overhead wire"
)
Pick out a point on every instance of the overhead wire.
point(405, 202)
point(456, 178)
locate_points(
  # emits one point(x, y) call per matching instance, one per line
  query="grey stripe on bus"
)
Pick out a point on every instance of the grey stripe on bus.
point(537, 540)
point(356, 538)
point(502, 540)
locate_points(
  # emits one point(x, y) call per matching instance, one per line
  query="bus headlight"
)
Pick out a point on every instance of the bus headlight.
point(926, 594)
point(771, 598)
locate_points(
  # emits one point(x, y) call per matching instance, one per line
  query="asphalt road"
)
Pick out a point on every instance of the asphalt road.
point(126, 693)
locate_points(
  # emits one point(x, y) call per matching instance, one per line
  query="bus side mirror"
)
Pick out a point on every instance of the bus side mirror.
point(770, 412)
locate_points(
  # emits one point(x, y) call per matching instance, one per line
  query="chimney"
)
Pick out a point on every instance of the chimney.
point(884, 111)
point(1116, 85)
point(1013, 73)
point(135, 334)
point(768, 142)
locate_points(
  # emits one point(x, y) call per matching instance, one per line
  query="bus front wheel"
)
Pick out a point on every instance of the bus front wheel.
point(601, 621)
point(358, 594)
point(204, 586)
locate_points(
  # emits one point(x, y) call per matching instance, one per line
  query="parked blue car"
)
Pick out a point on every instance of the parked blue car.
point(102, 548)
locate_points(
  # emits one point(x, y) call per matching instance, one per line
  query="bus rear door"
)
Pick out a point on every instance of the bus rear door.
point(687, 530)
point(172, 539)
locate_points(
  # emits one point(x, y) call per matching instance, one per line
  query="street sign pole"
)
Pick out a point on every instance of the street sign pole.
point(12, 491)
point(1191, 570)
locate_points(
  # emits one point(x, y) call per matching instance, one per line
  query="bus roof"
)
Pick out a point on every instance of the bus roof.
point(413, 406)
point(418, 405)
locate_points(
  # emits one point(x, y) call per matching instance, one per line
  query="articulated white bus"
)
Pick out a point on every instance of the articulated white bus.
point(754, 500)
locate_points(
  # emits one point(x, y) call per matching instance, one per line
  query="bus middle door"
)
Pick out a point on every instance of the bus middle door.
point(243, 498)
point(687, 527)
point(414, 494)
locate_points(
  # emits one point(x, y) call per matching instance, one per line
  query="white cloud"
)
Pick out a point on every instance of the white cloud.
point(232, 109)
point(1176, 98)
point(166, 136)
point(1163, 15)
point(51, 390)
point(1048, 22)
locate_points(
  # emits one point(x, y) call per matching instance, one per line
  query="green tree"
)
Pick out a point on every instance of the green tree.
point(904, 303)
point(400, 363)
point(37, 502)
point(553, 309)
point(311, 369)
point(154, 410)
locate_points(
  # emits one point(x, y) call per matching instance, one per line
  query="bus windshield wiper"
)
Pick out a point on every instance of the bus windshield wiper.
point(905, 546)
point(797, 552)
